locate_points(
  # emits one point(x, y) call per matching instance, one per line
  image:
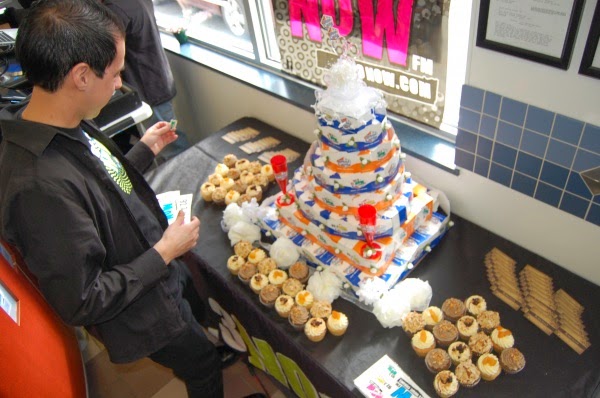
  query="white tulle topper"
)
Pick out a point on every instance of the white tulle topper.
point(325, 285)
point(284, 252)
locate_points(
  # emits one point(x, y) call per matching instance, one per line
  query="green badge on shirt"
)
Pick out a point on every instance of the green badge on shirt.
point(114, 168)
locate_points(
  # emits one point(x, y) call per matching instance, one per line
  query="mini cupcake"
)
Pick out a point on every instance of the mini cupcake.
point(445, 333)
point(218, 195)
point(234, 174)
point(292, 286)
point(315, 329)
point(337, 323)
point(480, 344)
point(257, 282)
point(445, 384)
point(283, 305)
point(475, 305)
point(298, 316)
point(320, 309)
point(230, 160)
point(299, 270)
point(422, 342)
point(231, 197)
point(261, 180)
point(467, 374)
point(453, 309)
point(489, 366)
point(234, 263)
point(254, 167)
point(467, 326)
point(242, 164)
point(215, 179)
point(277, 277)
point(255, 191)
point(246, 272)
point(227, 183)
point(243, 248)
point(247, 177)
point(240, 187)
point(206, 191)
point(256, 255)
point(304, 298)
point(512, 360)
point(502, 339)
point(244, 198)
point(432, 316)
point(459, 352)
point(488, 321)
point(412, 323)
point(222, 169)
point(437, 360)
point(266, 265)
point(267, 170)
point(269, 294)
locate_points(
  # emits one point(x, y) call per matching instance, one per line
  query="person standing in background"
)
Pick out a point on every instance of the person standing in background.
point(146, 65)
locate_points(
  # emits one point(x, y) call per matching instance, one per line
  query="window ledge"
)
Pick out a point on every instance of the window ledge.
point(415, 141)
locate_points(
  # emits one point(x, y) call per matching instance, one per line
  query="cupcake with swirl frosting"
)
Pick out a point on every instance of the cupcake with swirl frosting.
point(489, 366)
point(467, 326)
point(459, 352)
point(445, 384)
point(475, 305)
point(512, 360)
point(502, 338)
point(432, 316)
point(422, 342)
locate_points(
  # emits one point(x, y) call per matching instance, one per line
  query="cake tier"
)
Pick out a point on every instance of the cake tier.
point(379, 194)
point(354, 137)
point(360, 161)
point(318, 253)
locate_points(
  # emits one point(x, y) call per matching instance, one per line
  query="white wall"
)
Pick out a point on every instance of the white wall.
point(208, 101)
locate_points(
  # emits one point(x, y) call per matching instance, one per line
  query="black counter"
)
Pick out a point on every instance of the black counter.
point(455, 268)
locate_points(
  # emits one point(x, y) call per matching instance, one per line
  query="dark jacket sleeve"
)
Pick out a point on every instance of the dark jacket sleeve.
point(62, 246)
point(140, 156)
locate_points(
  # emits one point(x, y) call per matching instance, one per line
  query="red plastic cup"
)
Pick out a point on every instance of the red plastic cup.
point(367, 217)
point(280, 169)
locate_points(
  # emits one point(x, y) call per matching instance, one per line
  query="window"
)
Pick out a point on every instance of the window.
point(415, 51)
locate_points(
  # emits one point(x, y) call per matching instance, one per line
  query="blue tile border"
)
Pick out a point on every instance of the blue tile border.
point(533, 151)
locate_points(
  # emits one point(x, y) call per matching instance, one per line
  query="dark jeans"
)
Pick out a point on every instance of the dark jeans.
point(194, 359)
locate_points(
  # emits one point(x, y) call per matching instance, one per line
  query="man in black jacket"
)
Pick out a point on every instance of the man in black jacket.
point(88, 225)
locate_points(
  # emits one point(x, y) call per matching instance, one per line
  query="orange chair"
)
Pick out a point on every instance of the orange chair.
point(39, 353)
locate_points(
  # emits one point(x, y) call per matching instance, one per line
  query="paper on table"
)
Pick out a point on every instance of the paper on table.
point(385, 379)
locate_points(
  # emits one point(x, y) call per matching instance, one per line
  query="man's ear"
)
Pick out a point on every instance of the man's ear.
point(80, 75)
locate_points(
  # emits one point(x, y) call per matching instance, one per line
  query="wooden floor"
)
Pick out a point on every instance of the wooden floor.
point(147, 379)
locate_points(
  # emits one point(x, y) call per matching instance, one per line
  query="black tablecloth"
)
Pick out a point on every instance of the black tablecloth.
point(455, 268)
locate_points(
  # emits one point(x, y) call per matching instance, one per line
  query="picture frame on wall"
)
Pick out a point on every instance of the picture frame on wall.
point(542, 32)
point(590, 61)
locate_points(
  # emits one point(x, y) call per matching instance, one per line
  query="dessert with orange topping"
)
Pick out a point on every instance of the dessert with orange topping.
point(337, 323)
point(489, 366)
point(432, 316)
point(257, 255)
point(422, 342)
point(277, 277)
point(502, 338)
point(304, 298)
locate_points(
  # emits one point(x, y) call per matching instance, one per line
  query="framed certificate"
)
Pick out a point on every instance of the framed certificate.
point(590, 62)
point(538, 30)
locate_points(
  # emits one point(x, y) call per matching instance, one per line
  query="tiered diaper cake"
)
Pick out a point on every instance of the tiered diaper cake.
point(356, 160)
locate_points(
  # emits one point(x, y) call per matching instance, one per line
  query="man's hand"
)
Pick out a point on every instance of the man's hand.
point(178, 238)
point(159, 136)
